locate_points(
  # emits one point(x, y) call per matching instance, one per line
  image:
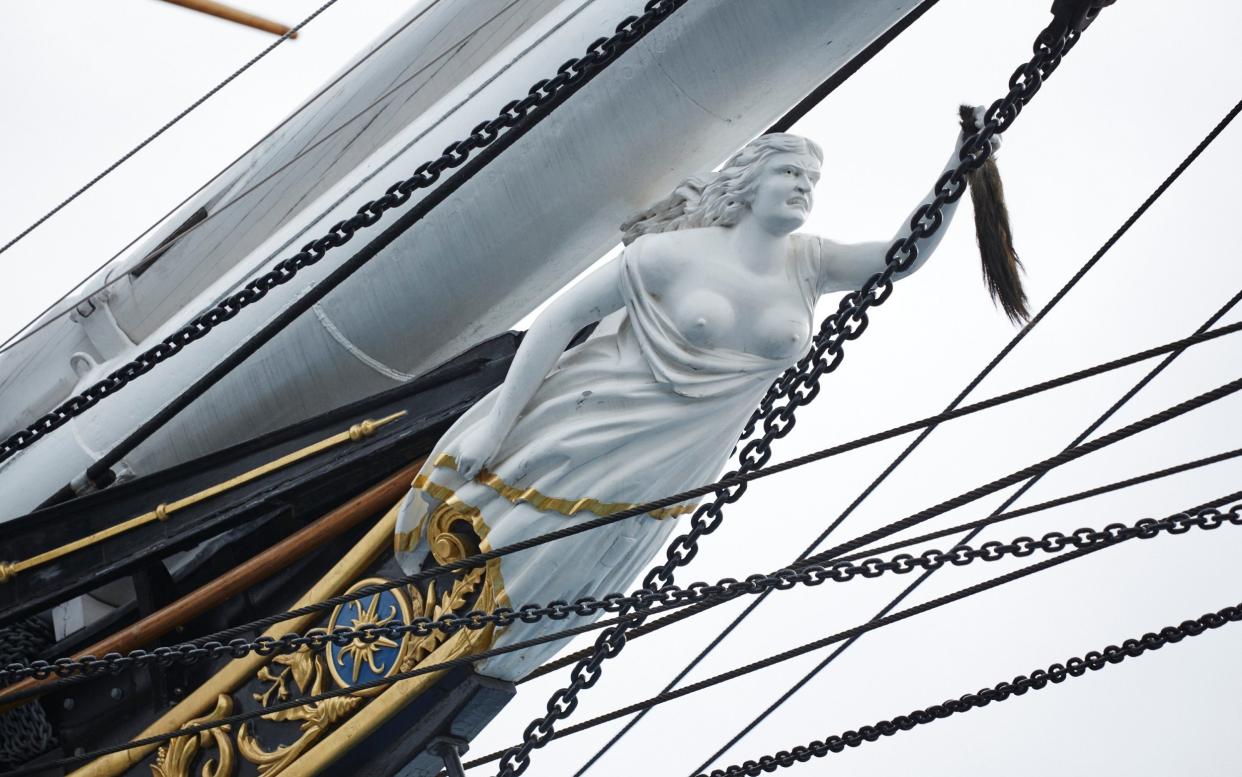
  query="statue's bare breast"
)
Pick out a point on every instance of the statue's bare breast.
point(716, 302)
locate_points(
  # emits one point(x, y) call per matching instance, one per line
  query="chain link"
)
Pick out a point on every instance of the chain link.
point(616, 603)
point(543, 93)
point(1002, 691)
point(800, 384)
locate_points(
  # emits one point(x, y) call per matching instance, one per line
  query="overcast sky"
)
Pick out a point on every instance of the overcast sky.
point(85, 80)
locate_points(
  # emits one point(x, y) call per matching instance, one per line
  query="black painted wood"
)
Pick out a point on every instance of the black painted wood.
point(262, 511)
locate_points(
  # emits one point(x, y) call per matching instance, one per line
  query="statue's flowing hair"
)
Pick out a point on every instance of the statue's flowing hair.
point(719, 199)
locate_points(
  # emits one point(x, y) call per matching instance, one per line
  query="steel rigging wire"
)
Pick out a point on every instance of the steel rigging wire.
point(72, 672)
point(193, 647)
point(974, 532)
point(840, 570)
point(168, 125)
point(1084, 541)
point(991, 520)
point(1060, 501)
point(84, 668)
point(1213, 518)
point(1002, 691)
point(953, 405)
point(626, 613)
point(1038, 469)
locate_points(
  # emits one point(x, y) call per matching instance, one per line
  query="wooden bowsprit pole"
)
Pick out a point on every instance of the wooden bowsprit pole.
point(222, 11)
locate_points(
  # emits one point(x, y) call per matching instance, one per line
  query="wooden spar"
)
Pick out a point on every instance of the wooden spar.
point(243, 576)
point(222, 11)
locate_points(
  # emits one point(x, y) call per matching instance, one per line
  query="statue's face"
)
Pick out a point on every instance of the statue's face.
point(783, 198)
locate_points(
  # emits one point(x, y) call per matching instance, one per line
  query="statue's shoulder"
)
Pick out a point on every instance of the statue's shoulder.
point(652, 245)
point(676, 247)
point(807, 251)
point(804, 246)
point(654, 251)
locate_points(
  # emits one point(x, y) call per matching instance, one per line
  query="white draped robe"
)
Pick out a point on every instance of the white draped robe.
point(635, 413)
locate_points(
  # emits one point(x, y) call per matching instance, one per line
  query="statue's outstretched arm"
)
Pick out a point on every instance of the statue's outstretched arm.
point(591, 299)
point(846, 266)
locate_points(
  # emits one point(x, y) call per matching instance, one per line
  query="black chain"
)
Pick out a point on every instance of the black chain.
point(845, 636)
point(1002, 691)
point(1086, 540)
point(25, 732)
point(800, 385)
point(669, 597)
point(851, 317)
point(543, 93)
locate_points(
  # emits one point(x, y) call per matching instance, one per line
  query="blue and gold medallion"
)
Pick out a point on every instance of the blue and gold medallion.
point(360, 661)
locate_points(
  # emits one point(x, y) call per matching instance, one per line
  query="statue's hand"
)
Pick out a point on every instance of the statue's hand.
point(994, 141)
point(476, 447)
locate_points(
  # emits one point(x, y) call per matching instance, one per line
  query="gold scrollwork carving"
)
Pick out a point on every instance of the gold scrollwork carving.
point(176, 758)
point(305, 671)
point(431, 606)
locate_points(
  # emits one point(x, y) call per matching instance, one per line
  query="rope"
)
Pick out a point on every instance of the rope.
point(191, 648)
point(1084, 541)
point(669, 620)
point(1037, 681)
point(1034, 471)
point(168, 125)
point(1027, 473)
point(1048, 505)
point(842, 570)
point(953, 405)
point(848, 634)
point(1100, 421)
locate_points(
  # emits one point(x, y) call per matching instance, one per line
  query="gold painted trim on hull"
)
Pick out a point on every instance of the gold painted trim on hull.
point(239, 671)
point(355, 433)
point(544, 503)
point(396, 696)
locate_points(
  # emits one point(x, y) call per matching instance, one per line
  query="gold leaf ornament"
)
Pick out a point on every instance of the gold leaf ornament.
point(176, 758)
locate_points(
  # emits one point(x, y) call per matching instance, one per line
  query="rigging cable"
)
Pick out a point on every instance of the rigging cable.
point(1002, 691)
point(565, 660)
point(168, 125)
point(991, 520)
point(1078, 442)
point(953, 405)
point(1084, 541)
point(84, 668)
point(189, 650)
point(1211, 515)
point(841, 571)
point(1034, 471)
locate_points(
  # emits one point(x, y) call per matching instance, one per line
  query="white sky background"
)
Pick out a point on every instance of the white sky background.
point(84, 81)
